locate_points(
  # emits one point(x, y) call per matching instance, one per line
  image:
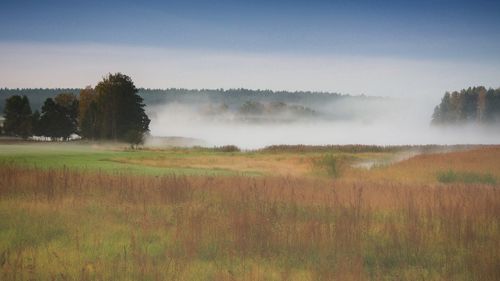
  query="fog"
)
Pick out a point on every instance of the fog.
point(349, 121)
point(415, 86)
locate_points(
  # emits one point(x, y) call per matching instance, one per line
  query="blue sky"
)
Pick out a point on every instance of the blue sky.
point(453, 32)
point(464, 29)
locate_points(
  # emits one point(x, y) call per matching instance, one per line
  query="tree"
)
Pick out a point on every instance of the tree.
point(134, 138)
point(17, 115)
point(49, 120)
point(88, 121)
point(470, 104)
point(59, 116)
point(69, 105)
point(436, 116)
point(35, 123)
point(445, 107)
point(87, 113)
point(475, 104)
point(119, 108)
point(252, 108)
point(492, 110)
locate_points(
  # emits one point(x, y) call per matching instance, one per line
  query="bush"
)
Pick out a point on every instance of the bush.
point(331, 164)
point(134, 138)
point(447, 177)
point(227, 148)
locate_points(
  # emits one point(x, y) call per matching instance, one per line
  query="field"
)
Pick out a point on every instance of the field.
point(104, 212)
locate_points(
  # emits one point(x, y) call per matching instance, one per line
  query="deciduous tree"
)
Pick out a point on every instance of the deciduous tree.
point(17, 115)
point(59, 116)
point(119, 108)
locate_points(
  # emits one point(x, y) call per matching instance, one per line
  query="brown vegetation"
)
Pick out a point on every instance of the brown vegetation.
point(424, 168)
point(283, 165)
point(72, 225)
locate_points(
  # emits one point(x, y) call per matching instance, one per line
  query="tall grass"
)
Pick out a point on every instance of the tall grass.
point(69, 225)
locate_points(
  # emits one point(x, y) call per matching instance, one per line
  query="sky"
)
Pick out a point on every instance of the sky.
point(383, 48)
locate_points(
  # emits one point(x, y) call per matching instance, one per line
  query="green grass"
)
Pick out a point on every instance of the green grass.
point(21, 228)
point(451, 176)
point(113, 158)
point(84, 157)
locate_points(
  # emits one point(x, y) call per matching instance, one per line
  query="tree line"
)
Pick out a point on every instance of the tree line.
point(475, 104)
point(111, 111)
point(231, 97)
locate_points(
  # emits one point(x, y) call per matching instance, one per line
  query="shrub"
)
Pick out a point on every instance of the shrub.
point(227, 148)
point(331, 164)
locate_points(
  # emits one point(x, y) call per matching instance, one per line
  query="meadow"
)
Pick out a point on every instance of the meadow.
point(103, 212)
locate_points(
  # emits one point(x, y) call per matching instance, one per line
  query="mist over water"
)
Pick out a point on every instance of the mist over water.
point(378, 122)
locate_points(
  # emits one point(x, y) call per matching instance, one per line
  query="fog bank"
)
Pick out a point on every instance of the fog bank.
point(378, 122)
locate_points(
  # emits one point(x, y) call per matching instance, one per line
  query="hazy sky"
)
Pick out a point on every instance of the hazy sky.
point(388, 48)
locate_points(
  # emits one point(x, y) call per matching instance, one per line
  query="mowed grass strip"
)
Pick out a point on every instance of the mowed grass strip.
point(112, 159)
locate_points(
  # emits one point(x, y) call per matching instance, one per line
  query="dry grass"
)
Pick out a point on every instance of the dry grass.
point(424, 168)
point(69, 225)
point(356, 148)
point(282, 164)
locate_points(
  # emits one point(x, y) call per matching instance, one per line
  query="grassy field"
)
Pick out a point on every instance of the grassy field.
point(193, 161)
point(100, 212)
point(105, 158)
